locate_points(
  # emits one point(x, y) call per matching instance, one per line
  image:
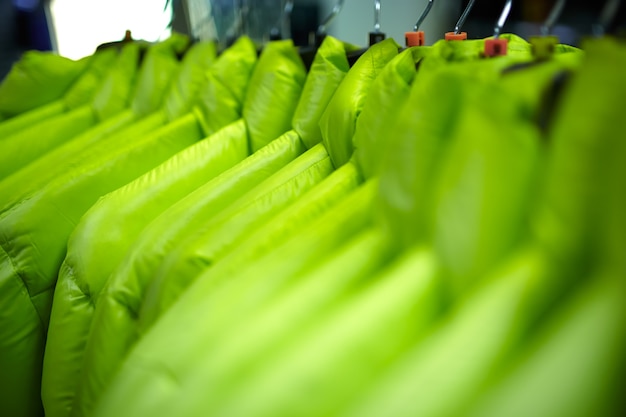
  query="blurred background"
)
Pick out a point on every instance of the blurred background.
point(74, 28)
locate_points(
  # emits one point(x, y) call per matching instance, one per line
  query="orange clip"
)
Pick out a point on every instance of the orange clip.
point(414, 38)
point(451, 36)
point(496, 47)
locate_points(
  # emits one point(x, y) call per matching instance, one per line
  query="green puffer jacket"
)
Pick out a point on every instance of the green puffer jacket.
point(37, 83)
point(545, 328)
point(155, 75)
point(133, 206)
point(346, 344)
point(115, 313)
point(99, 103)
point(322, 233)
point(34, 236)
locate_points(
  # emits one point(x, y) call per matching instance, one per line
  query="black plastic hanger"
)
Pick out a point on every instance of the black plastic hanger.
point(375, 36)
point(307, 53)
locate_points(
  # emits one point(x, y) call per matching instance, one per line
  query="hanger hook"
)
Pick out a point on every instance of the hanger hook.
point(556, 11)
point(424, 14)
point(502, 19)
point(321, 29)
point(377, 16)
point(609, 11)
point(287, 10)
point(461, 21)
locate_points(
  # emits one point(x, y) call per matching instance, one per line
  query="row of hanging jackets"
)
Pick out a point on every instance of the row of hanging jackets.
point(425, 233)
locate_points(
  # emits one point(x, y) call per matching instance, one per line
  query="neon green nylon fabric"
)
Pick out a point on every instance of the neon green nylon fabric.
point(265, 394)
point(116, 130)
point(193, 402)
point(403, 297)
point(241, 400)
point(337, 216)
point(25, 146)
point(426, 132)
point(572, 366)
point(82, 91)
point(34, 233)
point(343, 179)
point(221, 233)
point(234, 138)
point(27, 119)
point(547, 273)
point(159, 71)
point(221, 100)
point(329, 68)
point(482, 179)
point(324, 77)
point(191, 80)
point(421, 120)
point(321, 237)
point(71, 115)
point(466, 156)
point(104, 110)
point(202, 250)
point(576, 356)
point(336, 117)
point(257, 242)
point(272, 74)
point(37, 79)
point(29, 144)
point(451, 179)
point(585, 153)
point(495, 312)
point(33, 237)
point(390, 89)
point(141, 200)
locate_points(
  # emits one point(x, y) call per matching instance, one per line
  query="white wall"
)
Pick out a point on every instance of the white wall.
point(356, 19)
point(81, 25)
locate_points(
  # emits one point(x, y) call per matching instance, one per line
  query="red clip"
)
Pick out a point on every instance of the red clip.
point(496, 47)
point(451, 36)
point(414, 38)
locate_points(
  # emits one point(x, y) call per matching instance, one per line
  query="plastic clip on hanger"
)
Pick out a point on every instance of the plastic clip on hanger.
point(497, 46)
point(376, 36)
point(457, 35)
point(416, 38)
point(543, 46)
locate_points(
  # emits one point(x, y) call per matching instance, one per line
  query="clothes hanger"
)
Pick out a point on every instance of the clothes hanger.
point(607, 17)
point(282, 30)
point(417, 37)
point(497, 46)
point(128, 37)
point(307, 53)
point(374, 37)
point(555, 13)
point(288, 10)
point(457, 35)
